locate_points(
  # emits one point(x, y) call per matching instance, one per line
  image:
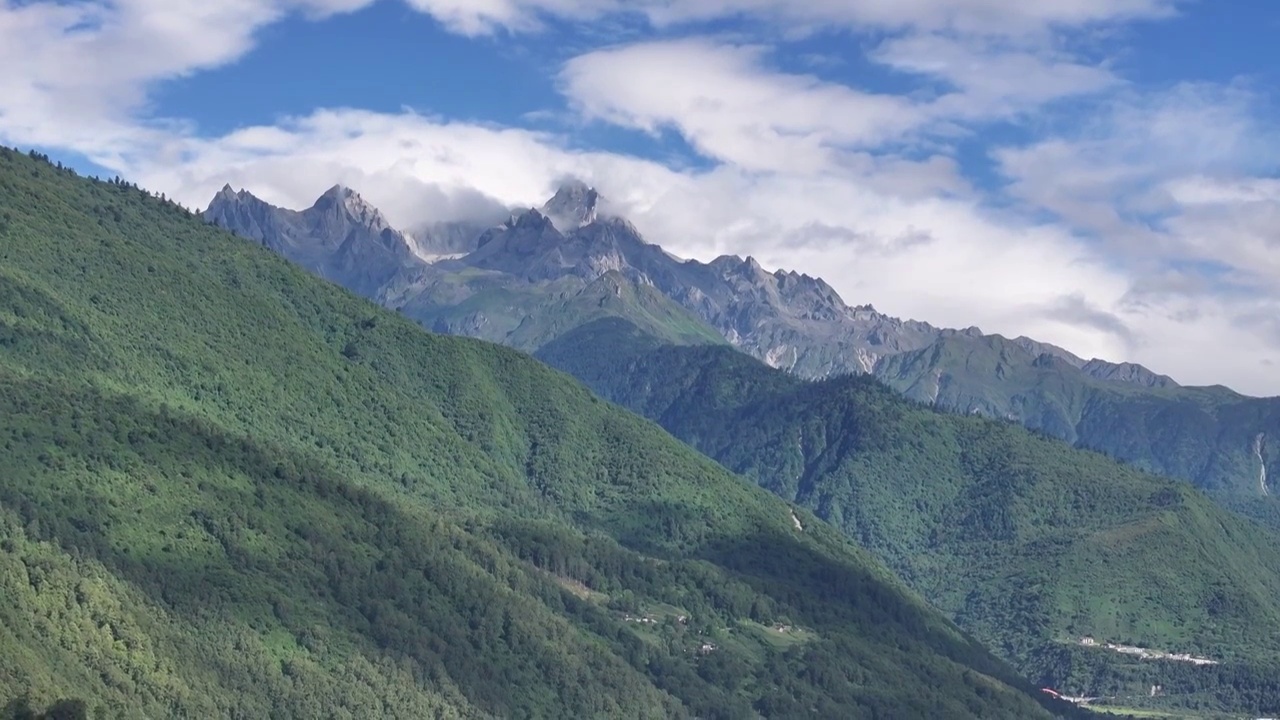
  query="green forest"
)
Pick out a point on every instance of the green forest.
point(229, 489)
point(1025, 542)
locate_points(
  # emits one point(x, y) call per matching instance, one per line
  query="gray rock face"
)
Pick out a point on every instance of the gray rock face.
point(573, 206)
point(437, 241)
point(341, 237)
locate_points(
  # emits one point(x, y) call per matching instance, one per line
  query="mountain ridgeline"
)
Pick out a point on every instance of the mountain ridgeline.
point(546, 271)
point(1025, 542)
point(229, 489)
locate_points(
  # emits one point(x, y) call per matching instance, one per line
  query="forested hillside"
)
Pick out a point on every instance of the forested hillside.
point(1218, 440)
point(1029, 544)
point(230, 489)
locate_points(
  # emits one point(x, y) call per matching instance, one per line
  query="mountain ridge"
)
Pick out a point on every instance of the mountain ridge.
point(575, 206)
point(515, 283)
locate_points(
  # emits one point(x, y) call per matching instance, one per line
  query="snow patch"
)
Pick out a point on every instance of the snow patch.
point(431, 259)
point(782, 357)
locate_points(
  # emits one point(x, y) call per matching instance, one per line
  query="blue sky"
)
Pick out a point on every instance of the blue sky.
point(1101, 174)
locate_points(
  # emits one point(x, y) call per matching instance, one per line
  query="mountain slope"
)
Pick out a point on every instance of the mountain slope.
point(1025, 542)
point(1208, 436)
point(230, 489)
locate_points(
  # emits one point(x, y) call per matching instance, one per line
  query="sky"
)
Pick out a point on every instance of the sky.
point(1099, 174)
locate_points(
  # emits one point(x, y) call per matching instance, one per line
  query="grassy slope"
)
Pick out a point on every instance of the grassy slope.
point(1025, 541)
point(230, 489)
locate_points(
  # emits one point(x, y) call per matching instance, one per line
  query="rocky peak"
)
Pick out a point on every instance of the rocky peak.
point(531, 220)
point(244, 213)
point(229, 196)
point(574, 205)
point(1038, 348)
point(342, 200)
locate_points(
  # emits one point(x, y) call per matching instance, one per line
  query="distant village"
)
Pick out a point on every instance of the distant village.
point(1148, 653)
point(1141, 652)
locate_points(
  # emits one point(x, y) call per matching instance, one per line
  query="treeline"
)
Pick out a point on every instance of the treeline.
point(114, 181)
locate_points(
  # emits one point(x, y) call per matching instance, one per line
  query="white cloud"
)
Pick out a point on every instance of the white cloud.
point(85, 68)
point(1168, 184)
point(482, 17)
point(991, 78)
point(983, 17)
point(805, 177)
point(730, 107)
point(1144, 164)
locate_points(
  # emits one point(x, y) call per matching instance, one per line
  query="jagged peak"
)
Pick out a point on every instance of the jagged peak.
point(355, 206)
point(229, 196)
point(339, 191)
point(574, 205)
point(1129, 372)
point(531, 218)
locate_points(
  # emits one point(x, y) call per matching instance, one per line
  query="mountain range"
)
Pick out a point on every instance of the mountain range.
point(231, 489)
point(548, 270)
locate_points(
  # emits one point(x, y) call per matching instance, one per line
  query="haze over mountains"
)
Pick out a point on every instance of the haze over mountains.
point(544, 271)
